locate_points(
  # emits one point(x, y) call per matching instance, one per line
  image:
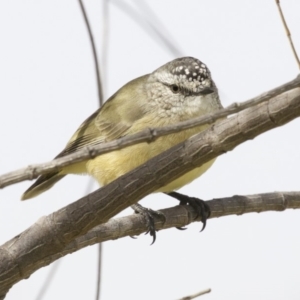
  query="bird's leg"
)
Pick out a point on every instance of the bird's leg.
point(200, 206)
point(149, 216)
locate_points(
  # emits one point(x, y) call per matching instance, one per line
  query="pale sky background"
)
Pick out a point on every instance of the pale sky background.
point(48, 88)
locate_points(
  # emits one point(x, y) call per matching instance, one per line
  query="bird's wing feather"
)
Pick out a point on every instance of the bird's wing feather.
point(112, 121)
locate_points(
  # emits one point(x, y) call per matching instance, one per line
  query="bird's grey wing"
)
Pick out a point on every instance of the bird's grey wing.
point(112, 121)
point(108, 123)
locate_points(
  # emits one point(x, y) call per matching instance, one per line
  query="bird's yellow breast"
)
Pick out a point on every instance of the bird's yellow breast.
point(108, 167)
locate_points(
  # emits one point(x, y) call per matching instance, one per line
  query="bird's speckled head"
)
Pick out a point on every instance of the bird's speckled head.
point(184, 88)
point(188, 73)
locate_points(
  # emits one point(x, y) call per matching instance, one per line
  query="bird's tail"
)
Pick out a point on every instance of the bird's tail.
point(42, 184)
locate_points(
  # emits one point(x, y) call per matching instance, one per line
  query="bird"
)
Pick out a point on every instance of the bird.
point(179, 90)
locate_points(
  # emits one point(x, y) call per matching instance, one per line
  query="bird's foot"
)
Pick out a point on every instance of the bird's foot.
point(200, 206)
point(149, 216)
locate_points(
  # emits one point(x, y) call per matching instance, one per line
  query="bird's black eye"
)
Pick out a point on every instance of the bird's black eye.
point(175, 88)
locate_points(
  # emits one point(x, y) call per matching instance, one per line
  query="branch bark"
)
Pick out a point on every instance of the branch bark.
point(180, 216)
point(34, 247)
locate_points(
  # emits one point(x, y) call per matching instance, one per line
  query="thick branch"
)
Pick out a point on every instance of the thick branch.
point(180, 216)
point(50, 235)
point(146, 135)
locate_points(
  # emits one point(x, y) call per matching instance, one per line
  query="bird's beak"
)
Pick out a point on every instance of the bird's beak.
point(207, 90)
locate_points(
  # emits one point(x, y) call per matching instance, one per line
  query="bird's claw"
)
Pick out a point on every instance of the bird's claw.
point(149, 216)
point(181, 228)
point(201, 208)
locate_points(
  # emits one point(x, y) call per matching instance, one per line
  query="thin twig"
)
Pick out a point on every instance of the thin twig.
point(48, 280)
point(99, 85)
point(196, 295)
point(149, 27)
point(147, 135)
point(53, 270)
point(105, 42)
point(99, 246)
point(288, 33)
point(105, 35)
point(158, 27)
point(99, 268)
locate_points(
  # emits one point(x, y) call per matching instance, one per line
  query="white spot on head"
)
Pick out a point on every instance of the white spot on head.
point(196, 67)
point(187, 71)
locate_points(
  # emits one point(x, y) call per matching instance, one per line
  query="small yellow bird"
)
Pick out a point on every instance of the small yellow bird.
point(177, 91)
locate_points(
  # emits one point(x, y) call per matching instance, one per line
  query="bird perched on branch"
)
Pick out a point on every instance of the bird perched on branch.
point(177, 91)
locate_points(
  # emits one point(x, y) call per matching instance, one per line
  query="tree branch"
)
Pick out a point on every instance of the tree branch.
point(146, 135)
point(34, 247)
point(180, 216)
point(201, 293)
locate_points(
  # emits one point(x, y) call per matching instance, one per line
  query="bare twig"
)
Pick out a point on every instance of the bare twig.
point(201, 293)
point(99, 85)
point(147, 25)
point(104, 48)
point(288, 33)
point(53, 271)
point(105, 41)
point(147, 135)
point(158, 27)
point(48, 280)
point(99, 253)
point(99, 268)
